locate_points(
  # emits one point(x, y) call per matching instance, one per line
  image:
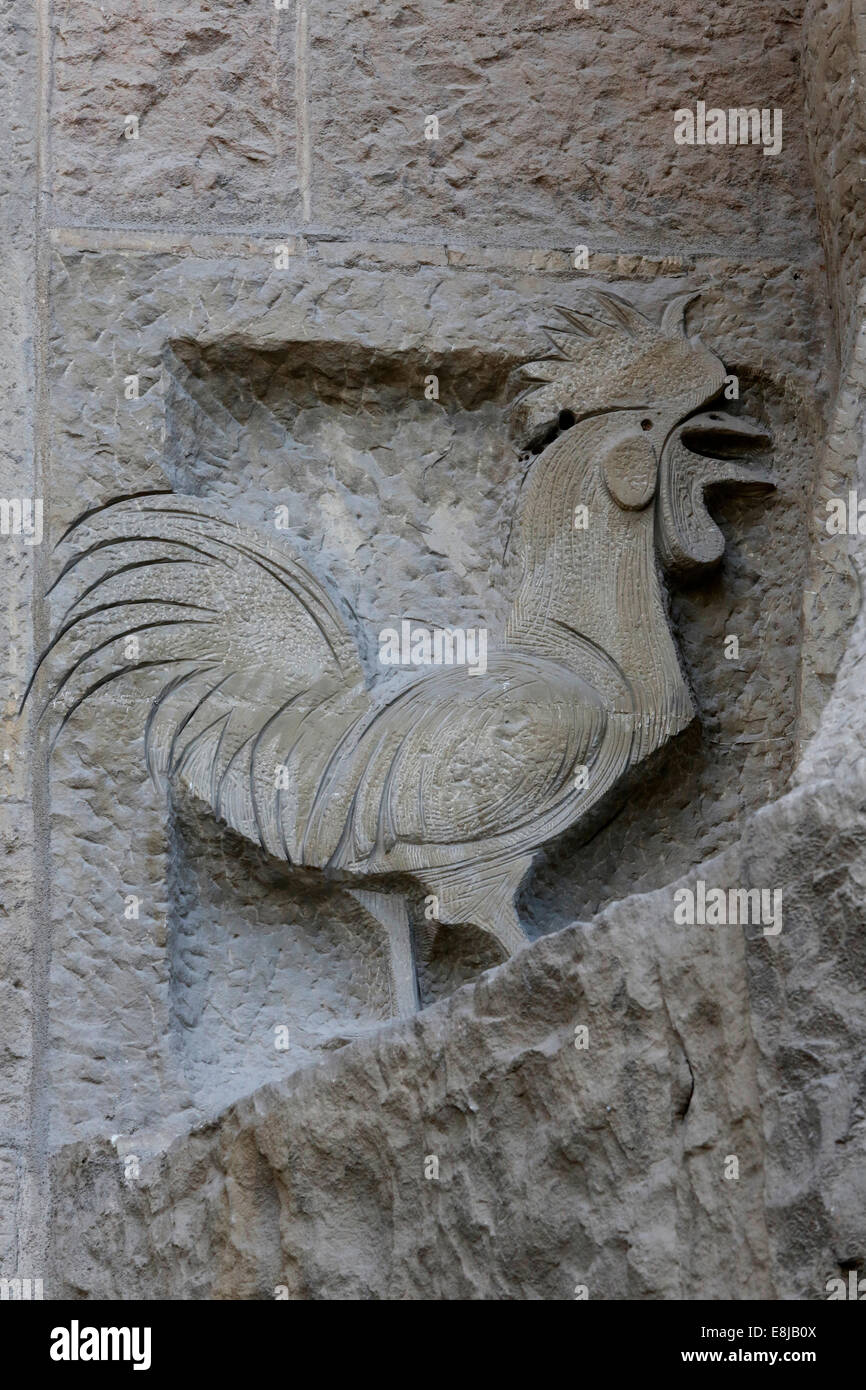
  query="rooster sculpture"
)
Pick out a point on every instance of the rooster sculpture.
point(452, 783)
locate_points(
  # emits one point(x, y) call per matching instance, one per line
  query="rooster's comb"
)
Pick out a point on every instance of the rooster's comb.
point(610, 355)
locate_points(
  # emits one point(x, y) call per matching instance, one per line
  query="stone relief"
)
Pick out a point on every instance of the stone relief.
point(258, 704)
point(271, 271)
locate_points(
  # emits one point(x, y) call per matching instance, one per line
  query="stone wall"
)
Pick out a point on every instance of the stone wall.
point(281, 258)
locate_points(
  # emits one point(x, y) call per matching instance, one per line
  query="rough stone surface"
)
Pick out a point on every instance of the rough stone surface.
point(152, 1037)
point(834, 38)
point(211, 89)
point(569, 111)
point(23, 1131)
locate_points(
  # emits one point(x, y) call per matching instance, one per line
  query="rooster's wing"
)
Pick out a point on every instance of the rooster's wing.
point(460, 758)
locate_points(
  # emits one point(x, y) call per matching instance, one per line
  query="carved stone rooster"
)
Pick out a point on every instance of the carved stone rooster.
point(455, 781)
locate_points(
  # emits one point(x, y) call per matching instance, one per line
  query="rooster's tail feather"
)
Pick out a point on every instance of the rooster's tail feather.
point(235, 646)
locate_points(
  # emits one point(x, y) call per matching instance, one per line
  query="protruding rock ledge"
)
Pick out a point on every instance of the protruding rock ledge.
point(558, 1165)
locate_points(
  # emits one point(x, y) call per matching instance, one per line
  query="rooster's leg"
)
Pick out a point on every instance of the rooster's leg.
point(390, 910)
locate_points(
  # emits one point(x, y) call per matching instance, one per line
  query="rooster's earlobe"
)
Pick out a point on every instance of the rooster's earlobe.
point(630, 468)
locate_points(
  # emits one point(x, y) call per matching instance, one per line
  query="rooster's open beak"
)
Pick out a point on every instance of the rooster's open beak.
point(701, 456)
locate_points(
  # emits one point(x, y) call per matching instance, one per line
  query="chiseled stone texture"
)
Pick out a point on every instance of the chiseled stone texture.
point(212, 87)
point(22, 989)
point(833, 51)
point(253, 116)
point(554, 123)
point(838, 742)
point(834, 44)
